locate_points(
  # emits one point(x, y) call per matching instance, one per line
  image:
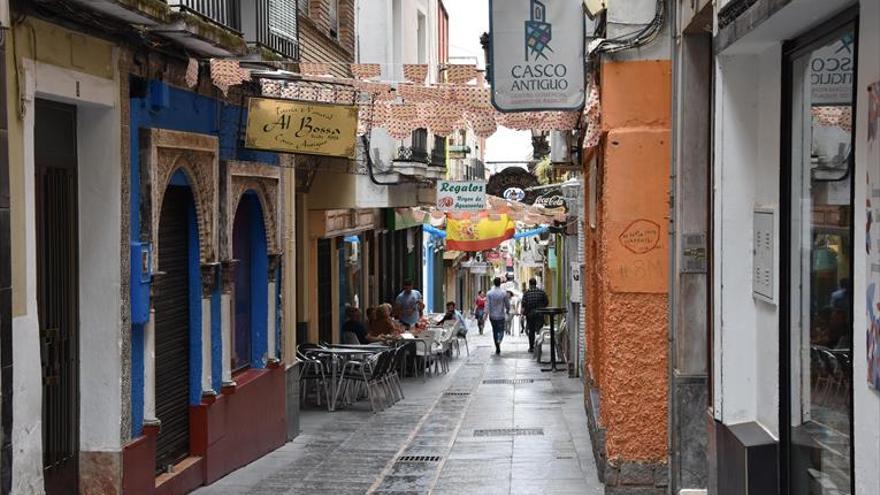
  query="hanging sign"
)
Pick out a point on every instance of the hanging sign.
point(302, 127)
point(461, 195)
point(537, 57)
point(514, 184)
point(552, 200)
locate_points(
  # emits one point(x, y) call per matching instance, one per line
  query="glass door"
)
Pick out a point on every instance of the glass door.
point(818, 443)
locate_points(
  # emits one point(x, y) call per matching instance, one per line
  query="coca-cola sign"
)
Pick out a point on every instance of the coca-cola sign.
point(552, 200)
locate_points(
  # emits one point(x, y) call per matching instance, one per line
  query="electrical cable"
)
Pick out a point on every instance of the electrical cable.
point(638, 38)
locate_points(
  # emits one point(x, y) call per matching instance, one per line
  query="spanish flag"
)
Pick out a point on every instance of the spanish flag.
point(478, 234)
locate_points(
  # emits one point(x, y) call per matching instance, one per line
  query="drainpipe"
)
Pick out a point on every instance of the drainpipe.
point(672, 305)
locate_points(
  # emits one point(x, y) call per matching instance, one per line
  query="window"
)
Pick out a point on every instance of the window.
point(422, 41)
point(820, 249)
point(333, 14)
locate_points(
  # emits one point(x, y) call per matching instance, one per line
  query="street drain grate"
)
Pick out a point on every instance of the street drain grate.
point(509, 432)
point(457, 394)
point(419, 458)
point(508, 381)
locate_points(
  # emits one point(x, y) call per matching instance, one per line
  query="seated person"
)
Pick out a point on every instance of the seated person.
point(354, 325)
point(454, 315)
point(383, 324)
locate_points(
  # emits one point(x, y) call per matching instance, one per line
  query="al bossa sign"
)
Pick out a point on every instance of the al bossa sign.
point(302, 127)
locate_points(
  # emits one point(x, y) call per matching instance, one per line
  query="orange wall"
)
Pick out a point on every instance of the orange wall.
point(628, 261)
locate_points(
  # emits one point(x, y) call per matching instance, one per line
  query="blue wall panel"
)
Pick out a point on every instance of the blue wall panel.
point(167, 107)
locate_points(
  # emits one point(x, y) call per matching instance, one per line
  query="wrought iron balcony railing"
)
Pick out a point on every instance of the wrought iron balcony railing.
point(418, 151)
point(275, 27)
point(270, 24)
point(224, 12)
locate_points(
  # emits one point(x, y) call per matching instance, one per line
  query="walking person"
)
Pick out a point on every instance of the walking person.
point(480, 310)
point(533, 299)
point(408, 305)
point(498, 306)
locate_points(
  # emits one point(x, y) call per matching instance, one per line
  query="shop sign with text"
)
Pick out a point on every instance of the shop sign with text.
point(461, 195)
point(302, 127)
point(552, 200)
point(831, 72)
point(537, 58)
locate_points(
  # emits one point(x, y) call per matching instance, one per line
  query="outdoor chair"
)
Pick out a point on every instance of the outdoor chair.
point(458, 338)
point(433, 353)
point(313, 371)
point(357, 375)
point(543, 337)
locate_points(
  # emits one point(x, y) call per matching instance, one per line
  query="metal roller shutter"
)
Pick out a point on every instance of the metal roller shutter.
point(172, 331)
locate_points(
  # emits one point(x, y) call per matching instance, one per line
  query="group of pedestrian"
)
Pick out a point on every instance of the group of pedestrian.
point(390, 321)
point(498, 305)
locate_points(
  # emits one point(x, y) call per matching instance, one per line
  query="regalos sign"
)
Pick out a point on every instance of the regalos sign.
point(302, 127)
point(461, 195)
point(537, 55)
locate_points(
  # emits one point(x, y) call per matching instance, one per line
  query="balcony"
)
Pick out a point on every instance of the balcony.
point(224, 12)
point(415, 160)
point(266, 29)
point(272, 29)
point(459, 151)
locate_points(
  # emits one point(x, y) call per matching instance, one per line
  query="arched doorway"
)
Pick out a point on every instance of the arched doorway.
point(173, 302)
point(249, 247)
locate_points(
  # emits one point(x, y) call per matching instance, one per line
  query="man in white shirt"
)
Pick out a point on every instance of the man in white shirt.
point(498, 306)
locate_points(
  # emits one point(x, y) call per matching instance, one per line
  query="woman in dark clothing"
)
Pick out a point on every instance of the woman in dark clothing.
point(354, 325)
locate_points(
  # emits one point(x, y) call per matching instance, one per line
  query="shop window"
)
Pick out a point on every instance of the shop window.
point(819, 289)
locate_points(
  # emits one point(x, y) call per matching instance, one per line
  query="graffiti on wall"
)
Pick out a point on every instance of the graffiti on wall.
point(637, 260)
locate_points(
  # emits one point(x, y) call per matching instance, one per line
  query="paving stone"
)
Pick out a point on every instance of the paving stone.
point(353, 450)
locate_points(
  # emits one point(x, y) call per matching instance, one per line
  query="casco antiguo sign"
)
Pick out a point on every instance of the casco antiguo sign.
point(537, 54)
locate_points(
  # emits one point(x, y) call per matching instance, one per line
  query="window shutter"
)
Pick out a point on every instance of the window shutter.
point(282, 18)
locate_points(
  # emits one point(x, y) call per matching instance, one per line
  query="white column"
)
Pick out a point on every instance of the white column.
point(207, 386)
point(150, 368)
point(271, 327)
point(226, 334)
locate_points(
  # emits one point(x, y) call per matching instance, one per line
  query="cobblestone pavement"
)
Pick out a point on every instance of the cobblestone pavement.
point(491, 436)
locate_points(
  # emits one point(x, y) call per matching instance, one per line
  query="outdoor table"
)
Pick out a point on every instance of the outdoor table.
point(337, 353)
point(552, 312)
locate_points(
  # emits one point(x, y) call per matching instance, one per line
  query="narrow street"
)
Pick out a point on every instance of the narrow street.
point(492, 425)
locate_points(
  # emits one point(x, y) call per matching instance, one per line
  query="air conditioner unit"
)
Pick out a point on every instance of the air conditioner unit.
point(595, 7)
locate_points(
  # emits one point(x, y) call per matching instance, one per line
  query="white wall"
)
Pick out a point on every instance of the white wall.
point(747, 119)
point(27, 459)
point(100, 278)
point(746, 176)
point(392, 41)
point(867, 401)
point(99, 182)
